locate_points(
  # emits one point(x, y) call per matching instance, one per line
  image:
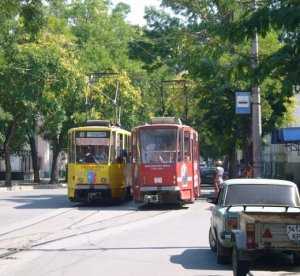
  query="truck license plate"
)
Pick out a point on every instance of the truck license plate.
point(293, 232)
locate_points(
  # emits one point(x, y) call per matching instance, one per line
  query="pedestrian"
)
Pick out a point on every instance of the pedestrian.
point(248, 171)
point(218, 178)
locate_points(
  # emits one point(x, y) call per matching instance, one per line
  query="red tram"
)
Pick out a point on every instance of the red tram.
point(165, 158)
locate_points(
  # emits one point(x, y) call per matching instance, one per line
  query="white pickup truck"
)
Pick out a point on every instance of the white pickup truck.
point(253, 218)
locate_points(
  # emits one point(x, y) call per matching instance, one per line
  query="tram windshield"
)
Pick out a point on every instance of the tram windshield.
point(158, 145)
point(92, 147)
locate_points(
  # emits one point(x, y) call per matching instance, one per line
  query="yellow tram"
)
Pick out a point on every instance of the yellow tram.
point(98, 165)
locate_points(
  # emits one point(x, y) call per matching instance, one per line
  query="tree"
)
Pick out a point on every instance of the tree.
point(202, 50)
point(21, 22)
point(283, 16)
point(99, 43)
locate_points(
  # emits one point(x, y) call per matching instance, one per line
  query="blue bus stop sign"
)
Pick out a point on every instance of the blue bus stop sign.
point(242, 102)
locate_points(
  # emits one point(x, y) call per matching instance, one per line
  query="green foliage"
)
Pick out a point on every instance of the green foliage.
point(198, 44)
point(284, 17)
point(50, 49)
point(47, 51)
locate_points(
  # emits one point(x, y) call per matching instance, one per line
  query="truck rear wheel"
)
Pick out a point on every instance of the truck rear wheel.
point(297, 258)
point(212, 241)
point(239, 267)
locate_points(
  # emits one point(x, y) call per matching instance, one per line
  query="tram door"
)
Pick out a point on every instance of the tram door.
point(195, 165)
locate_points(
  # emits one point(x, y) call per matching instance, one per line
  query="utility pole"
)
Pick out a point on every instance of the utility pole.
point(256, 109)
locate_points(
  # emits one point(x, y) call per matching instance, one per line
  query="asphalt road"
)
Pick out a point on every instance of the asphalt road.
point(41, 233)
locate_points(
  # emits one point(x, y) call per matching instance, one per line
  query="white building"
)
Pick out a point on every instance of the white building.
point(22, 164)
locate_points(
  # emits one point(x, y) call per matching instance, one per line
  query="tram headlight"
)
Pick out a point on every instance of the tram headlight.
point(103, 180)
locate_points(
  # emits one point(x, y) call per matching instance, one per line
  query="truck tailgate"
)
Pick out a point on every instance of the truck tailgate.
point(276, 230)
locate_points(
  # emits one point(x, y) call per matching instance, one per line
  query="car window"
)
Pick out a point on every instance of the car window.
point(265, 194)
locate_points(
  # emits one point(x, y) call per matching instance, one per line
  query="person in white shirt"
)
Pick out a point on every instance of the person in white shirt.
point(218, 180)
point(220, 172)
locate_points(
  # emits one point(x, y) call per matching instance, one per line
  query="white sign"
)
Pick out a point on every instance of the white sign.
point(243, 101)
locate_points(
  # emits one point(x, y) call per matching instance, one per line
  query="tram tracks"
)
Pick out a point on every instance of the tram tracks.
point(75, 229)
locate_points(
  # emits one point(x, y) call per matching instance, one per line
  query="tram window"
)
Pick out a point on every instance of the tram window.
point(119, 148)
point(180, 146)
point(90, 146)
point(187, 148)
point(133, 147)
point(72, 148)
point(158, 145)
point(126, 148)
point(129, 150)
point(195, 146)
point(92, 154)
point(113, 148)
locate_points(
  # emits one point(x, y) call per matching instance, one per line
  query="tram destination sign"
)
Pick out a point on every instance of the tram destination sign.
point(242, 102)
point(92, 141)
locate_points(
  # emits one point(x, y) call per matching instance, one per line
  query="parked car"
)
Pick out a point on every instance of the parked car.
point(252, 218)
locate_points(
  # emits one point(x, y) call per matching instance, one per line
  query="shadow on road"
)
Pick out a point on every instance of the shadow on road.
point(200, 258)
point(276, 263)
point(161, 207)
point(137, 248)
point(47, 201)
point(204, 259)
point(54, 201)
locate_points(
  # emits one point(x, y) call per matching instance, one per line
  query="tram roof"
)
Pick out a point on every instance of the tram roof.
point(163, 126)
point(97, 128)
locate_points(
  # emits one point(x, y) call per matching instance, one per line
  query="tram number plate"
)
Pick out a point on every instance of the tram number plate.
point(293, 232)
point(157, 180)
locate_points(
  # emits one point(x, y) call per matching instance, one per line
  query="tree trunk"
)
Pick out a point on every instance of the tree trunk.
point(7, 152)
point(54, 168)
point(232, 163)
point(34, 157)
point(7, 165)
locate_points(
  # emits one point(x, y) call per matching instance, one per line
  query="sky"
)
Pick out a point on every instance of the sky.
point(137, 9)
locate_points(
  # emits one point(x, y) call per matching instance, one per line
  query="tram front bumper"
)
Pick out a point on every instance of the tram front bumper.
point(160, 194)
point(148, 198)
point(87, 192)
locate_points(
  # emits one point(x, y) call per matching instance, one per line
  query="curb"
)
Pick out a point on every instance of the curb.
point(16, 188)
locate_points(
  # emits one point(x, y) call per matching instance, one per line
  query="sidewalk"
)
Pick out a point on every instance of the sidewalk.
point(27, 185)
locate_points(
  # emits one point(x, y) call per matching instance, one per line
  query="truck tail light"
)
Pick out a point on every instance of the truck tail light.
point(231, 223)
point(250, 231)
